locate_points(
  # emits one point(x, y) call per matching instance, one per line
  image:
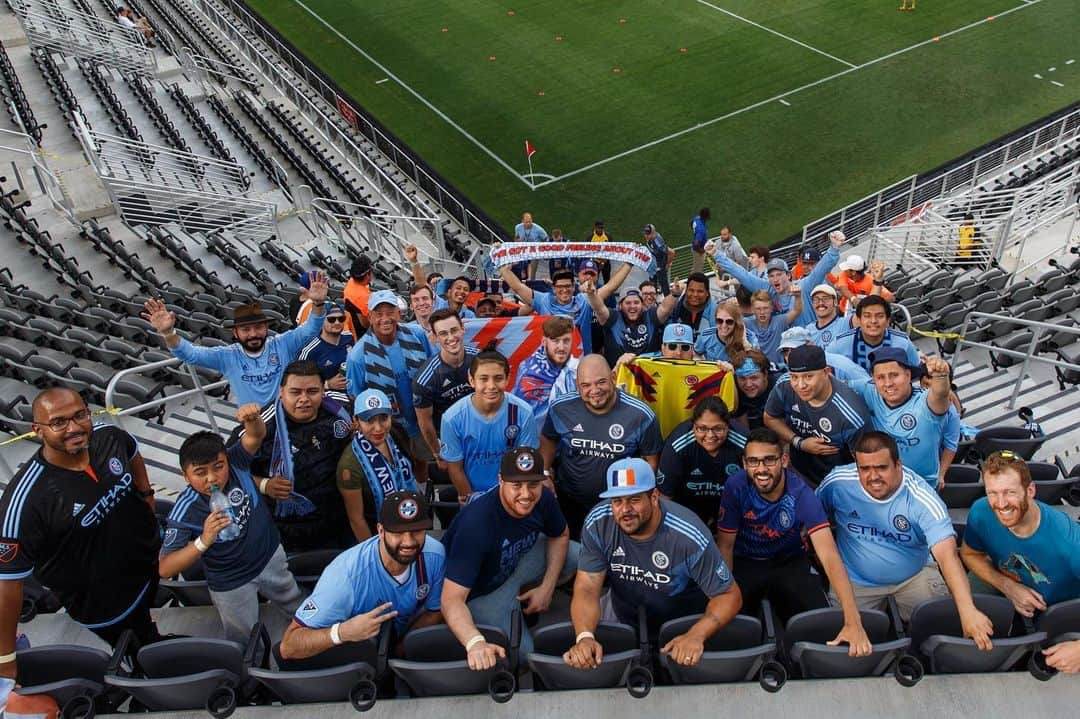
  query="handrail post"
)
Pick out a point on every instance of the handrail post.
point(1035, 337)
point(202, 395)
point(960, 340)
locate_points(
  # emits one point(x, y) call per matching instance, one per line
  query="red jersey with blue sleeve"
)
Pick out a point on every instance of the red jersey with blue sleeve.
point(770, 530)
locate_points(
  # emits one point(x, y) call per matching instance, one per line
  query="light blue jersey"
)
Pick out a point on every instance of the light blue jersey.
point(915, 427)
point(950, 431)
point(1048, 561)
point(464, 313)
point(357, 582)
point(855, 347)
point(884, 542)
point(767, 338)
point(578, 309)
point(782, 302)
point(480, 443)
point(822, 336)
point(845, 370)
point(253, 379)
point(710, 346)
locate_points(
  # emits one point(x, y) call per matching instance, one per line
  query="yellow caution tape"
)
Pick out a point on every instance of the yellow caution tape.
point(939, 335)
point(30, 435)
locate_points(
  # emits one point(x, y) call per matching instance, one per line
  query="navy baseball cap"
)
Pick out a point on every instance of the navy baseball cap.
point(629, 476)
point(893, 354)
point(806, 358)
point(522, 464)
point(405, 511)
point(588, 266)
point(811, 255)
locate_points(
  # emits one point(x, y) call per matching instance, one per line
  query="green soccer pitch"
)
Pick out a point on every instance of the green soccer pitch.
point(771, 112)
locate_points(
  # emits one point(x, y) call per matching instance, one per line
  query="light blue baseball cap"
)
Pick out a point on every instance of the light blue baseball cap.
point(382, 297)
point(371, 402)
point(678, 333)
point(629, 476)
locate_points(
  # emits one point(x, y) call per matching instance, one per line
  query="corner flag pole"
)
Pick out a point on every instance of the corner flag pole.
point(529, 152)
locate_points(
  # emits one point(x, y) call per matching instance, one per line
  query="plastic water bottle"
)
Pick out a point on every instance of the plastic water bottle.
point(220, 503)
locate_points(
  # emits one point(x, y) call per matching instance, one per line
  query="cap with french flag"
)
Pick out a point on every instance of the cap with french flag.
point(529, 149)
point(629, 476)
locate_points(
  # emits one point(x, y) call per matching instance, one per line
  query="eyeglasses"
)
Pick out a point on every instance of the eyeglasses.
point(715, 431)
point(753, 462)
point(563, 286)
point(59, 424)
point(679, 347)
point(335, 318)
point(452, 332)
point(725, 321)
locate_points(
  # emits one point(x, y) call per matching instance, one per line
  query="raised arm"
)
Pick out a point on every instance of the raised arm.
point(796, 305)
point(418, 274)
point(617, 279)
point(250, 415)
point(734, 269)
point(515, 284)
point(938, 396)
point(596, 301)
point(667, 305)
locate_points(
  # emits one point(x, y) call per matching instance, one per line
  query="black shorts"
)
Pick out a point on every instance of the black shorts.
point(787, 583)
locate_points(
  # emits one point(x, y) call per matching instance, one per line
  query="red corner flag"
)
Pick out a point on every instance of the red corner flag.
point(529, 149)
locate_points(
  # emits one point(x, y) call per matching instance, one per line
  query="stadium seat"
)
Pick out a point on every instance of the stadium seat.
point(937, 635)
point(963, 486)
point(437, 663)
point(740, 652)
point(1061, 622)
point(621, 648)
point(1015, 439)
point(807, 634)
point(188, 592)
point(343, 673)
point(187, 673)
point(74, 676)
point(307, 567)
point(1019, 342)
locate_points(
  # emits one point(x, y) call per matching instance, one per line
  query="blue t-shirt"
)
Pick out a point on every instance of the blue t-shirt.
point(769, 530)
point(701, 233)
point(536, 233)
point(329, 357)
point(854, 347)
point(237, 561)
point(767, 339)
point(464, 313)
point(484, 543)
point(1048, 561)
point(467, 436)
point(915, 427)
point(782, 302)
point(884, 542)
point(253, 379)
point(578, 309)
point(822, 336)
point(357, 582)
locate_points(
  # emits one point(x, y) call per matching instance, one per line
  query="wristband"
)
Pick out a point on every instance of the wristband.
point(547, 472)
point(584, 635)
point(262, 484)
point(170, 333)
point(335, 635)
point(878, 283)
point(473, 642)
point(7, 658)
point(796, 442)
point(199, 545)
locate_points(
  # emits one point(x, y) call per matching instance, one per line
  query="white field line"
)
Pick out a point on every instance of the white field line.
point(807, 86)
point(446, 118)
point(774, 32)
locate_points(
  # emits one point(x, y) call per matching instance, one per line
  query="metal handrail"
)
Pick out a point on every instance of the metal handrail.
point(1028, 356)
point(199, 389)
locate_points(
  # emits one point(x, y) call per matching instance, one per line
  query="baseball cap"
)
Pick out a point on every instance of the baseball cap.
point(795, 337)
point(629, 476)
point(405, 511)
point(382, 297)
point(588, 266)
point(630, 293)
point(806, 358)
point(522, 464)
point(827, 289)
point(855, 262)
point(371, 402)
point(648, 229)
point(678, 333)
point(893, 354)
point(776, 264)
point(811, 255)
point(334, 307)
point(747, 368)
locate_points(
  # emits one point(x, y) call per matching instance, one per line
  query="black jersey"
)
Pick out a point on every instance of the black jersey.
point(86, 535)
point(693, 477)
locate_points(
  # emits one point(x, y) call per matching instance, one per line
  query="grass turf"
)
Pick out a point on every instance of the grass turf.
point(765, 171)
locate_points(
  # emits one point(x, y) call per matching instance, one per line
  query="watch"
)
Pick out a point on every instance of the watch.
point(145, 493)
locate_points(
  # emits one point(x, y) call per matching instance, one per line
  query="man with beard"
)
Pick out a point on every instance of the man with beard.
point(698, 457)
point(330, 349)
point(654, 554)
point(537, 375)
point(888, 525)
point(493, 549)
point(585, 433)
point(820, 416)
point(396, 576)
point(388, 358)
point(778, 278)
point(631, 329)
point(255, 362)
point(306, 432)
point(1024, 549)
point(767, 514)
point(444, 379)
point(79, 517)
point(479, 428)
point(871, 335)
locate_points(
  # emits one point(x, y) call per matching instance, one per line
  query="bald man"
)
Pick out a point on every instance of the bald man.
point(79, 516)
point(584, 433)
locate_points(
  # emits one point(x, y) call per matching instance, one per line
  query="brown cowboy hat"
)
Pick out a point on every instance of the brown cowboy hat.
point(247, 315)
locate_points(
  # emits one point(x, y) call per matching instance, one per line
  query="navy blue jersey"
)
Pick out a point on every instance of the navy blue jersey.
point(439, 384)
point(693, 477)
point(770, 530)
point(329, 357)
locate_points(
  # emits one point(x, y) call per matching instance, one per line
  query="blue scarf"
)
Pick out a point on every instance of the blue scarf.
point(281, 460)
point(384, 476)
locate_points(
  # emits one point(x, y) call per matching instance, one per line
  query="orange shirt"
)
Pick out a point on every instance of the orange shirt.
point(860, 287)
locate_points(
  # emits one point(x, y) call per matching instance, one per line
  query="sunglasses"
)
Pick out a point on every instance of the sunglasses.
point(335, 318)
point(679, 347)
point(724, 321)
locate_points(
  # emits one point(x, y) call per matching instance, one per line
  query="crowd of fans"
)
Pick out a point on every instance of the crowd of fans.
point(814, 485)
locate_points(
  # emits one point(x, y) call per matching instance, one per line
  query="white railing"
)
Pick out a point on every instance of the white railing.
point(198, 390)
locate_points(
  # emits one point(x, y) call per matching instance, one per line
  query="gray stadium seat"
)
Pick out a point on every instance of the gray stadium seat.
point(937, 635)
point(621, 648)
point(437, 664)
point(740, 652)
point(74, 676)
point(806, 635)
point(307, 567)
point(1014, 439)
